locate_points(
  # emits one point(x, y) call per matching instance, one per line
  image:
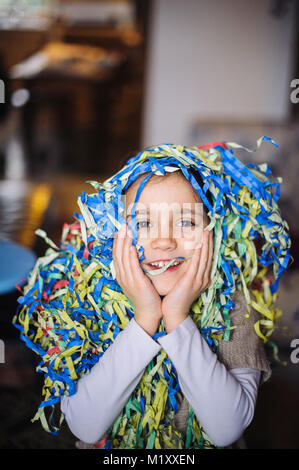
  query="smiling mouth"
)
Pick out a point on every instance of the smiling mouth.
point(162, 266)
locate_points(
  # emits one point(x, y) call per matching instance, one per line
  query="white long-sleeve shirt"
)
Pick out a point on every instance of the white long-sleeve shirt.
point(223, 400)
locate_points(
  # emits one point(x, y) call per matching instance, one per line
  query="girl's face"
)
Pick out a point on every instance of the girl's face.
point(170, 219)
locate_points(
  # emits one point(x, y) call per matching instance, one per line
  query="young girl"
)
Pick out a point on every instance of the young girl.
point(152, 336)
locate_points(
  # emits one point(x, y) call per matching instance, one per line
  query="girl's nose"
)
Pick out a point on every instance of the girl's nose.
point(163, 243)
point(163, 239)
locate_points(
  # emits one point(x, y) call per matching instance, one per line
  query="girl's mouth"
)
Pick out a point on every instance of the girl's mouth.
point(173, 265)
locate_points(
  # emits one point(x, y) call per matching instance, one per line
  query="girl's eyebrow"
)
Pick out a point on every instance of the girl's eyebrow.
point(146, 211)
point(138, 211)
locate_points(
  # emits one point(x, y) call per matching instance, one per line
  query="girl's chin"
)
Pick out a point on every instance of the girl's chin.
point(163, 293)
point(162, 289)
point(164, 286)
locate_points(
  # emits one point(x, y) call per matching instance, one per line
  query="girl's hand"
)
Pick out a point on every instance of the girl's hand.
point(134, 283)
point(176, 304)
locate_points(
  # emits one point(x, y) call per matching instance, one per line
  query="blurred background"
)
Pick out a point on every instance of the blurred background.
point(86, 84)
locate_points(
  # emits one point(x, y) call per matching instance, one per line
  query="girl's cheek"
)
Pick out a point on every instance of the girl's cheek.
point(193, 240)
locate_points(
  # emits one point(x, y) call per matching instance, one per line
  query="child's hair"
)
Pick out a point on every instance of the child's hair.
point(200, 182)
point(73, 308)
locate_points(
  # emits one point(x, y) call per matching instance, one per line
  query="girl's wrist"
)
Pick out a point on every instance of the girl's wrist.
point(171, 322)
point(147, 323)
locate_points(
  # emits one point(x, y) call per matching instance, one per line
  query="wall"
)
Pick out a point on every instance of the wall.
point(216, 60)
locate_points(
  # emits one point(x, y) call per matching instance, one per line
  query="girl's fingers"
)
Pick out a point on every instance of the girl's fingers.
point(198, 269)
point(124, 236)
point(130, 267)
point(207, 278)
point(187, 280)
point(193, 266)
point(202, 275)
point(137, 273)
point(126, 259)
point(119, 264)
point(114, 257)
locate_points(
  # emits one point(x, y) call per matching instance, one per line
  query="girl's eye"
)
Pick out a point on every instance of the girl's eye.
point(188, 223)
point(142, 224)
point(145, 224)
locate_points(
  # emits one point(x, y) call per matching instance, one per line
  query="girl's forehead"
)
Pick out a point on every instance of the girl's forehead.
point(173, 186)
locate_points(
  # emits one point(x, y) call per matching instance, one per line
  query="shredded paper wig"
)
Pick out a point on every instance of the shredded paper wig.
point(72, 307)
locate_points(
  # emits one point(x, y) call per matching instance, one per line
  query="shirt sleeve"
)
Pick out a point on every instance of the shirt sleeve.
point(223, 401)
point(102, 394)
